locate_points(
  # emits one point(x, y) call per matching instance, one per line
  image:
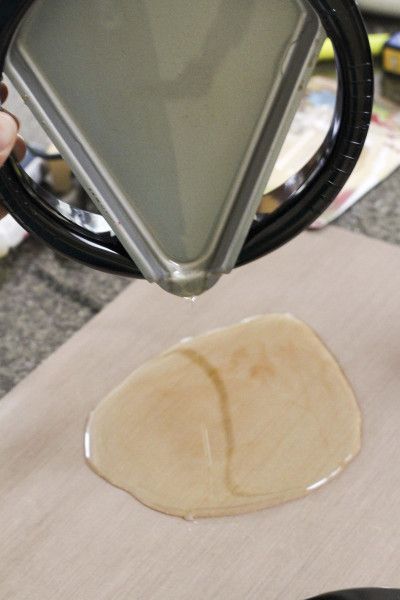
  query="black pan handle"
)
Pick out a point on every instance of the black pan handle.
point(361, 594)
point(85, 237)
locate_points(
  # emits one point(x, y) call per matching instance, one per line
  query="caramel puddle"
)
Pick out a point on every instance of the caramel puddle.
point(237, 420)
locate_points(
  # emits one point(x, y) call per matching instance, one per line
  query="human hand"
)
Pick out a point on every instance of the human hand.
point(9, 139)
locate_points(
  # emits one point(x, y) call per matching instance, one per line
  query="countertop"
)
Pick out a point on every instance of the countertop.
point(45, 298)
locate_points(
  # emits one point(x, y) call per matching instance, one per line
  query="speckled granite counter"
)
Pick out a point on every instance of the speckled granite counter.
point(45, 298)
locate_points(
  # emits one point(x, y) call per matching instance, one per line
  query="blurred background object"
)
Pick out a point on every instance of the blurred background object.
point(391, 68)
point(387, 7)
point(377, 42)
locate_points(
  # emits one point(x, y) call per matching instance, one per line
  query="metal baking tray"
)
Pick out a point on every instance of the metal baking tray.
point(171, 115)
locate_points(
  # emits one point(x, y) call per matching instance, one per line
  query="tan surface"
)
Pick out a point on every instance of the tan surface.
point(243, 418)
point(66, 534)
point(59, 172)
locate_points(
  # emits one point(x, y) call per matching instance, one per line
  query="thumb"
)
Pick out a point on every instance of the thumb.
point(8, 135)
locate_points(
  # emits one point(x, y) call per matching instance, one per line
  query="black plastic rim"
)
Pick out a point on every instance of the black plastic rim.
point(337, 157)
point(361, 594)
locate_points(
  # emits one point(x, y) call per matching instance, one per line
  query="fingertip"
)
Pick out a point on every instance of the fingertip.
point(19, 149)
point(3, 92)
point(8, 131)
